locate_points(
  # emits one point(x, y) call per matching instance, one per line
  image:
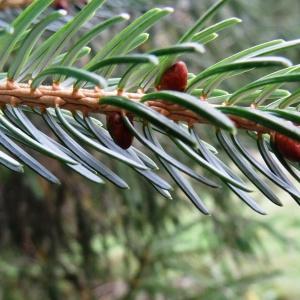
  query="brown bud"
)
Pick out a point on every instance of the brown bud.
point(61, 4)
point(288, 147)
point(175, 78)
point(118, 130)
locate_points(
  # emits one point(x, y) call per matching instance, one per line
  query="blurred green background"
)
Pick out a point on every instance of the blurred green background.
point(83, 241)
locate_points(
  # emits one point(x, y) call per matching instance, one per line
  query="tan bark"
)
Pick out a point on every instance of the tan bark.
point(89, 101)
point(13, 3)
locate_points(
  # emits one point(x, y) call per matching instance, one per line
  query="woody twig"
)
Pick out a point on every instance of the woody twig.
point(89, 101)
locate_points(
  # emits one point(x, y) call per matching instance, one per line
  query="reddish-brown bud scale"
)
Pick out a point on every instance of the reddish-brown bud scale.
point(175, 78)
point(61, 4)
point(288, 147)
point(118, 130)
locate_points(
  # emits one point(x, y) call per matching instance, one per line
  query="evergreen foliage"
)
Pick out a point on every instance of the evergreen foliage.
point(74, 95)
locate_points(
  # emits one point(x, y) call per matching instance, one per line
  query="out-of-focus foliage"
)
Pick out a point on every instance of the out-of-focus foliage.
point(82, 241)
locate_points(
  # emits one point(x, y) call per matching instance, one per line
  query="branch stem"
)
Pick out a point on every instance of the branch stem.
point(89, 101)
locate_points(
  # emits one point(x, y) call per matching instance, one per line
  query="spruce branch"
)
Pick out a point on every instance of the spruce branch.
point(156, 90)
point(89, 101)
